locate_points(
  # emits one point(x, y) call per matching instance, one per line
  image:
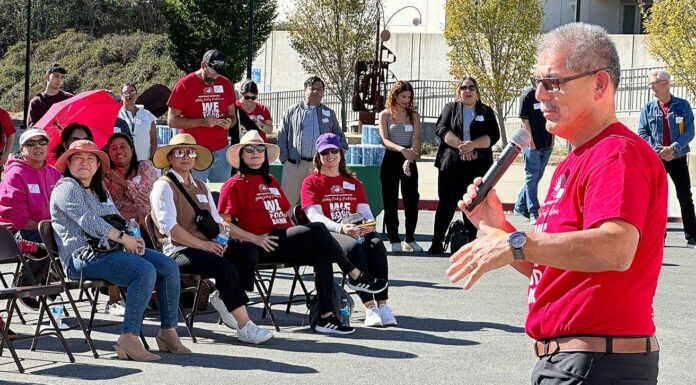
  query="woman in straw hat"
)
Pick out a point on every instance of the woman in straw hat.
point(254, 201)
point(186, 243)
point(78, 203)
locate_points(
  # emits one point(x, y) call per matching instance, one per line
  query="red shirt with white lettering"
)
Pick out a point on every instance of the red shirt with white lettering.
point(7, 128)
point(257, 207)
point(616, 175)
point(338, 196)
point(196, 100)
point(259, 114)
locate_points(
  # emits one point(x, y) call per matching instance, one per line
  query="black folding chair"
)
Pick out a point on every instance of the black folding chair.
point(10, 253)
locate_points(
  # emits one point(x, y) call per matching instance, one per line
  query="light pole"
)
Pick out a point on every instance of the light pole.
point(27, 57)
point(250, 37)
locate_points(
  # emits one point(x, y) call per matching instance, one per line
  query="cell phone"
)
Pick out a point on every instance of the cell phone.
point(367, 224)
point(225, 116)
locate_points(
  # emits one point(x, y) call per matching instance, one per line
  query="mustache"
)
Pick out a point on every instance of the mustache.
point(548, 106)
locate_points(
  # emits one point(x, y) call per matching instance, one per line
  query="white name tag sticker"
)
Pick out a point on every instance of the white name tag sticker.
point(274, 191)
point(679, 119)
point(348, 186)
point(117, 130)
point(325, 120)
point(326, 113)
point(218, 89)
point(537, 106)
point(202, 198)
point(34, 188)
point(408, 127)
point(479, 118)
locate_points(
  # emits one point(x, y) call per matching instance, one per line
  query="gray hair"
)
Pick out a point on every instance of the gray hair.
point(589, 47)
point(659, 74)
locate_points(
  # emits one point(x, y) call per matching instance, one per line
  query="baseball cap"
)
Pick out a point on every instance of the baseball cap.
point(56, 67)
point(30, 133)
point(327, 140)
point(216, 61)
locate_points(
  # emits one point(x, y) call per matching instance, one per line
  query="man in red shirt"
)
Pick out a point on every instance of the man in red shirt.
point(39, 104)
point(596, 253)
point(7, 134)
point(202, 105)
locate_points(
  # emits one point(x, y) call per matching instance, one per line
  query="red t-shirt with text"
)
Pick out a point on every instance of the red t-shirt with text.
point(196, 100)
point(259, 114)
point(338, 196)
point(256, 207)
point(616, 175)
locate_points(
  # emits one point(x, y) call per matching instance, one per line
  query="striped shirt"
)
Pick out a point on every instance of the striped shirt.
point(401, 134)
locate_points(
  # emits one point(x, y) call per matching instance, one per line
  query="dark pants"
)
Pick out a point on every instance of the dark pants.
point(451, 186)
point(597, 369)
point(310, 245)
point(390, 175)
point(678, 170)
point(370, 257)
point(233, 274)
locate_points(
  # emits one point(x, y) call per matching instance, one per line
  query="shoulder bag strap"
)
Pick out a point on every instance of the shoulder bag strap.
point(183, 191)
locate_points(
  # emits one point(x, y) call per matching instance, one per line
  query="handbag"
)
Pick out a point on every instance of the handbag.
point(204, 220)
point(101, 245)
point(456, 236)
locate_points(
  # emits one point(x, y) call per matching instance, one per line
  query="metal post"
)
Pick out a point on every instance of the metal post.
point(577, 11)
point(27, 58)
point(250, 38)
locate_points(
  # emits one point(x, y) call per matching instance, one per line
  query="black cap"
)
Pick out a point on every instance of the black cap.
point(55, 67)
point(216, 61)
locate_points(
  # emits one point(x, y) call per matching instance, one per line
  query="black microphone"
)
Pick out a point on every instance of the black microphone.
point(520, 139)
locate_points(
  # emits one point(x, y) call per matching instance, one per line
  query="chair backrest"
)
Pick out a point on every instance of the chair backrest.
point(49, 240)
point(216, 197)
point(9, 251)
point(298, 215)
point(153, 233)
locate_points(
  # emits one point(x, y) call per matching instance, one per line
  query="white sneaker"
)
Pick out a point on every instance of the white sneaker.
point(414, 247)
point(225, 315)
point(387, 317)
point(533, 219)
point(373, 317)
point(116, 308)
point(253, 334)
point(396, 247)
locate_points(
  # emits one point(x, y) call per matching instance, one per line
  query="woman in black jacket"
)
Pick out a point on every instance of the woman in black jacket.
point(467, 129)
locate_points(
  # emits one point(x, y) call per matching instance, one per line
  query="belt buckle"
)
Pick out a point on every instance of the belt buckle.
point(546, 345)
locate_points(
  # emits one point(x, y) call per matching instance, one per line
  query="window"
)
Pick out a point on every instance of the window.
point(631, 16)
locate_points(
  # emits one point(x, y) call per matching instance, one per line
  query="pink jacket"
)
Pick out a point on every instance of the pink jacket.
point(25, 193)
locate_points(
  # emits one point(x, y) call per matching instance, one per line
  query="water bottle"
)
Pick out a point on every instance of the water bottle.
point(223, 238)
point(58, 311)
point(345, 312)
point(133, 228)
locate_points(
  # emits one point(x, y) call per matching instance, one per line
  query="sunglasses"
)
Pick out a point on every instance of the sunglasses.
point(330, 151)
point(179, 153)
point(554, 84)
point(254, 97)
point(260, 148)
point(467, 88)
point(32, 143)
point(217, 67)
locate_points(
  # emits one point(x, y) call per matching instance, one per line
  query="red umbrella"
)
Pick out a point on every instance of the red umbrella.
point(95, 109)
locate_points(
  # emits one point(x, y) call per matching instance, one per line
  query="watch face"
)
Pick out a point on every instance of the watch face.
point(517, 239)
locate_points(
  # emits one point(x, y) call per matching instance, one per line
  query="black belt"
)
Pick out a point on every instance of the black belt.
point(293, 161)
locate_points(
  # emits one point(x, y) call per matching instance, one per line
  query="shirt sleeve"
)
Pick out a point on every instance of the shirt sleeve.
point(265, 112)
point(316, 214)
point(163, 207)
point(70, 198)
point(13, 204)
point(360, 193)
point(364, 209)
point(228, 201)
point(526, 106)
point(176, 99)
point(309, 194)
point(284, 203)
point(6, 122)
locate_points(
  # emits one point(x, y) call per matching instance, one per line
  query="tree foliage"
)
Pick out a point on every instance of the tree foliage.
point(494, 41)
point(330, 35)
point(195, 26)
point(671, 28)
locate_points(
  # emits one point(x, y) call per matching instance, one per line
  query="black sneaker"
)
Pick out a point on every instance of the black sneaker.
point(691, 243)
point(332, 325)
point(436, 248)
point(367, 284)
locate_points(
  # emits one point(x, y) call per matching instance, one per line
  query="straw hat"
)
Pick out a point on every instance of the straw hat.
point(203, 160)
point(252, 137)
point(83, 146)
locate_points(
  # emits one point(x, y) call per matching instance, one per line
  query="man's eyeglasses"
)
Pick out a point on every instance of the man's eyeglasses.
point(253, 97)
point(652, 84)
point(467, 88)
point(260, 148)
point(179, 153)
point(554, 84)
point(32, 143)
point(217, 66)
point(129, 92)
point(330, 151)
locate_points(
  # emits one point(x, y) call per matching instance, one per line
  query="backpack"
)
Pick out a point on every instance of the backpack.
point(339, 294)
point(456, 236)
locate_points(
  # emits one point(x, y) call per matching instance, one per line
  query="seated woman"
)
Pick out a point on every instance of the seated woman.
point(69, 134)
point(78, 203)
point(255, 206)
point(129, 182)
point(186, 244)
point(331, 194)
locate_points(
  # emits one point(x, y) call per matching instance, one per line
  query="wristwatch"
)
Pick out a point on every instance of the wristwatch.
point(517, 241)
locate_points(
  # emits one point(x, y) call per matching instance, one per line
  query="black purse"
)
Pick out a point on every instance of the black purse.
point(204, 220)
point(103, 245)
point(456, 236)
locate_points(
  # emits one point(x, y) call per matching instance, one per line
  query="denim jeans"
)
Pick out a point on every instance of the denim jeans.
point(219, 171)
point(534, 164)
point(140, 274)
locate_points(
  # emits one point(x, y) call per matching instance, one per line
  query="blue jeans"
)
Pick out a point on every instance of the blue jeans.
point(140, 274)
point(219, 171)
point(534, 164)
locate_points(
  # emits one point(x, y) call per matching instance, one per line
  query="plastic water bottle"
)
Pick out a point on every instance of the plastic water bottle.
point(223, 238)
point(345, 312)
point(58, 311)
point(133, 228)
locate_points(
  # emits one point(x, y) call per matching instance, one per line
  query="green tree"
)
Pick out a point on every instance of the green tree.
point(671, 28)
point(195, 26)
point(330, 35)
point(494, 41)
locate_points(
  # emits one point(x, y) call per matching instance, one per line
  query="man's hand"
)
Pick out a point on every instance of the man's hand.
point(484, 254)
point(3, 159)
point(211, 121)
point(224, 123)
point(666, 153)
point(490, 210)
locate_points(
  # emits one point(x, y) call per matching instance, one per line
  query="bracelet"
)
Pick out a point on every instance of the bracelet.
point(120, 236)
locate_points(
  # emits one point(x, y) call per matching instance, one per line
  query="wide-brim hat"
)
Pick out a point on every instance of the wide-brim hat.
point(83, 146)
point(252, 137)
point(203, 160)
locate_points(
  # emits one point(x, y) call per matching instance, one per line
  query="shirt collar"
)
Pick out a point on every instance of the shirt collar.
point(181, 179)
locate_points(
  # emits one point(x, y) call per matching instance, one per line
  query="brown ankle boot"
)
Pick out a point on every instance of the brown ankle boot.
point(130, 348)
point(168, 341)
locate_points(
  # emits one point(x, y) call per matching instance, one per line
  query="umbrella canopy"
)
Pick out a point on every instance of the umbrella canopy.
point(95, 109)
point(154, 99)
